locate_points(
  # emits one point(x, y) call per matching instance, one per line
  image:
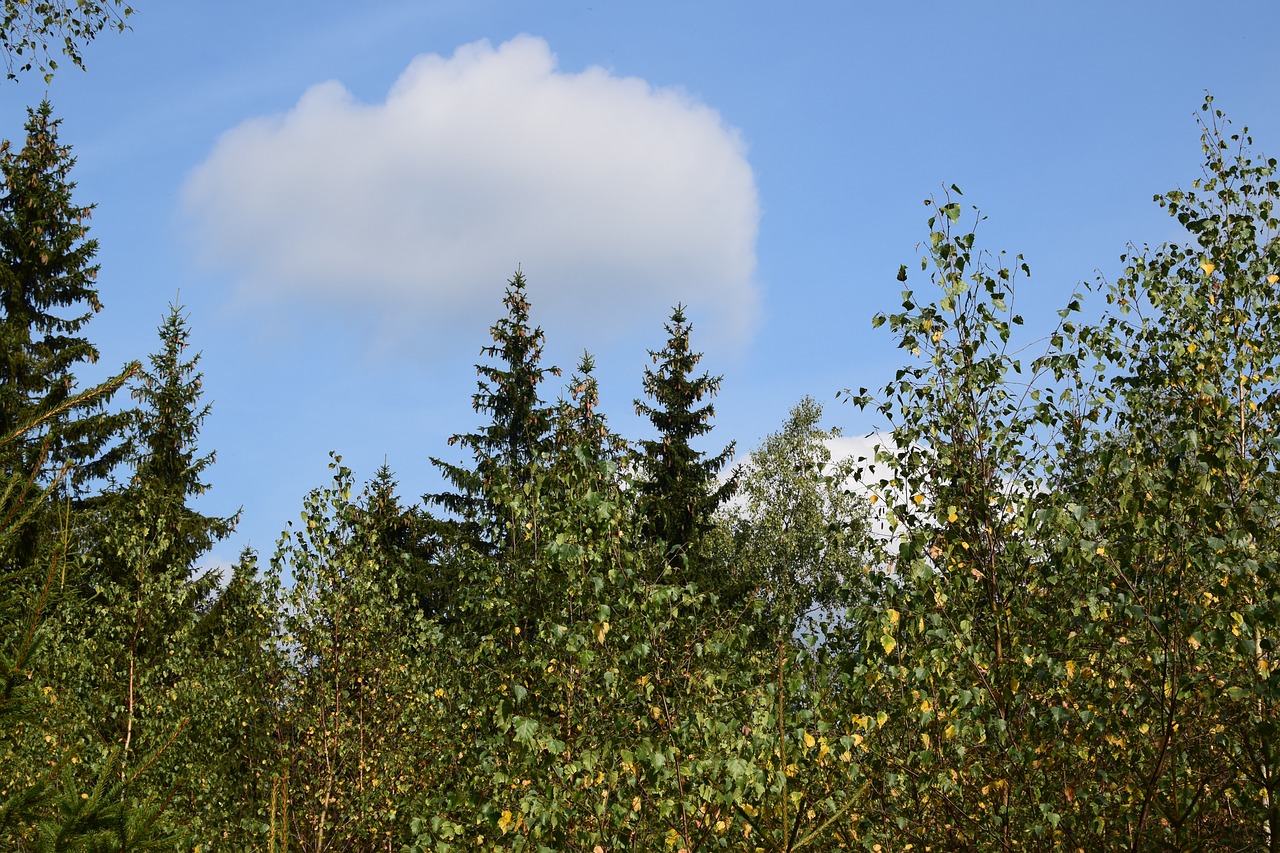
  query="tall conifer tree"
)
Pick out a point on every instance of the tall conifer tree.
point(169, 465)
point(47, 295)
point(679, 490)
point(520, 424)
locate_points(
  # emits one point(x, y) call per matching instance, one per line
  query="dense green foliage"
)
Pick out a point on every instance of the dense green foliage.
point(1043, 616)
point(797, 533)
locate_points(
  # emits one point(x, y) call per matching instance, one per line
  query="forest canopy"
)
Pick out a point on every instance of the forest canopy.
point(1043, 615)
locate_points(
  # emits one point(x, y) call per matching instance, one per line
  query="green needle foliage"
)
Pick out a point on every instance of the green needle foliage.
point(579, 423)
point(518, 433)
point(130, 662)
point(48, 295)
point(167, 435)
point(678, 484)
point(51, 796)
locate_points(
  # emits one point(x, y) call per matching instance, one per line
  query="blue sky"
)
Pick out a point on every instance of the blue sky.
point(337, 192)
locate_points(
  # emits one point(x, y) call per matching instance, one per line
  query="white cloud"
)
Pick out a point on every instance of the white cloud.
point(219, 567)
point(858, 446)
point(864, 448)
point(617, 198)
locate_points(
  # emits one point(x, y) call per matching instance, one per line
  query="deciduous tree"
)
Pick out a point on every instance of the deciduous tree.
point(795, 528)
point(32, 34)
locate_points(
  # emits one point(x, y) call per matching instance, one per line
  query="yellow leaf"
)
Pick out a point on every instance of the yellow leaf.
point(874, 498)
point(1273, 278)
point(601, 630)
point(1207, 267)
point(951, 516)
point(889, 644)
point(504, 822)
point(894, 616)
point(1191, 348)
point(808, 739)
point(919, 499)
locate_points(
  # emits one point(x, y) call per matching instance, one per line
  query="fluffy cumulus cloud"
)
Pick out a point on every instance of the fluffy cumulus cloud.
point(616, 198)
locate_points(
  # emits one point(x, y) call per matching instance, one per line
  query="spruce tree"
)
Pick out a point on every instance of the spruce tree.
point(679, 488)
point(169, 467)
point(145, 531)
point(50, 435)
point(47, 295)
point(579, 423)
point(517, 435)
point(143, 540)
point(405, 539)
